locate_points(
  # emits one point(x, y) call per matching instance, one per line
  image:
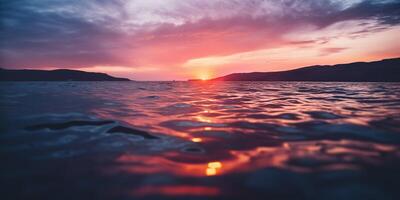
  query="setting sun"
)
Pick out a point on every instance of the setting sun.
point(204, 76)
point(203, 73)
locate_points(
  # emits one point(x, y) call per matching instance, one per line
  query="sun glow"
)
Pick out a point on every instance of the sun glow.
point(204, 76)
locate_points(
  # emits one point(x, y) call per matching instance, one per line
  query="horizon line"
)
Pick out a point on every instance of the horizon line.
point(197, 79)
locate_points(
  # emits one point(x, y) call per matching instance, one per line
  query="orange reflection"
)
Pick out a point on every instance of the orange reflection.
point(197, 140)
point(212, 168)
point(214, 165)
point(170, 158)
point(248, 160)
point(286, 145)
point(177, 190)
point(211, 172)
point(204, 119)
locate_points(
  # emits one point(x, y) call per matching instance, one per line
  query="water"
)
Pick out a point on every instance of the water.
point(200, 140)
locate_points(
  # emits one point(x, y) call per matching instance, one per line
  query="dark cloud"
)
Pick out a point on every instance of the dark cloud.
point(30, 37)
point(386, 13)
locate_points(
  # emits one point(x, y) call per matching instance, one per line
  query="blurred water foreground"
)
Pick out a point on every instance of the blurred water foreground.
point(199, 140)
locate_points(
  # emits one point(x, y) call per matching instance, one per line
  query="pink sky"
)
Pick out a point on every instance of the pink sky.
point(179, 40)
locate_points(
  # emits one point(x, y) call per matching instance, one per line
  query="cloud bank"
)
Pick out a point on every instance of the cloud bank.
point(185, 37)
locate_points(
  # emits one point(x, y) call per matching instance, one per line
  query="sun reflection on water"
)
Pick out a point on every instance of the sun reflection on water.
point(176, 190)
point(216, 130)
point(197, 140)
point(212, 168)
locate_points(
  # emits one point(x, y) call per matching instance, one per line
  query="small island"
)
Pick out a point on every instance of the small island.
point(387, 70)
point(55, 75)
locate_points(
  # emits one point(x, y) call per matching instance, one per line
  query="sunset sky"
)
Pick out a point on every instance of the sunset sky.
point(184, 39)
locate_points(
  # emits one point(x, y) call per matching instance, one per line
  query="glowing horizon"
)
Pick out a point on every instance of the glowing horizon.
point(180, 40)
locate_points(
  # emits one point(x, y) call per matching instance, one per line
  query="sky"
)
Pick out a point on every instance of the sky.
point(190, 39)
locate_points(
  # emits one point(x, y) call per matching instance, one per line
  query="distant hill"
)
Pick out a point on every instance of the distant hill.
point(379, 71)
point(55, 75)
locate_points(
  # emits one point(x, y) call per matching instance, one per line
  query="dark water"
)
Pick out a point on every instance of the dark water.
point(200, 140)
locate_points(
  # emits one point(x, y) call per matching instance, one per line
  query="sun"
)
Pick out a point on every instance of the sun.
point(204, 75)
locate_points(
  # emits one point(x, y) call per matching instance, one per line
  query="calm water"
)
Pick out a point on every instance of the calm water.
point(200, 140)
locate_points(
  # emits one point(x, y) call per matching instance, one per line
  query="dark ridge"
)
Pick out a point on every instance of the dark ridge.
point(379, 71)
point(126, 130)
point(65, 125)
point(55, 75)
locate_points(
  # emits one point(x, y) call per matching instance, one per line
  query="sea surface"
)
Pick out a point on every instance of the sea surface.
point(199, 140)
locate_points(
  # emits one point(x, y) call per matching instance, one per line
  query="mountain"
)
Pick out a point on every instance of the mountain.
point(379, 71)
point(55, 75)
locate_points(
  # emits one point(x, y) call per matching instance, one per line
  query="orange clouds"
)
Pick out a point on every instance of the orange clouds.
point(178, 40)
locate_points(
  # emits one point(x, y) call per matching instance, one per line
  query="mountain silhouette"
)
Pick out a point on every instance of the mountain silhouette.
point(55, 75)
point(387, 70)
